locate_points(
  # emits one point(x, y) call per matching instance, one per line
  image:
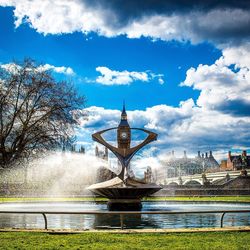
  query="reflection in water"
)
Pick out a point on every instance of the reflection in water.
point(131, 221)
point(70, 221)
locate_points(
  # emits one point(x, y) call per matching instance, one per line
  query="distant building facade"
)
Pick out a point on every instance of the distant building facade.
point(238, 162)
point(102, 154)
point(223, 165)
point(103, 173)
point(174, 167)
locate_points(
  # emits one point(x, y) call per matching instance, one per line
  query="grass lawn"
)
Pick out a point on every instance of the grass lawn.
point(191, 198)
point(203, 198)
point(34, 199)
point(110, 241)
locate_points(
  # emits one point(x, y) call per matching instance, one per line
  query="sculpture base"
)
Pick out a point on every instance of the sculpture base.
point(124, 205)
point(124, 197)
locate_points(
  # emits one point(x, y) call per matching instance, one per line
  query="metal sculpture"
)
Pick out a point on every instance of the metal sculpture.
point(124, 154)
point(124, 192)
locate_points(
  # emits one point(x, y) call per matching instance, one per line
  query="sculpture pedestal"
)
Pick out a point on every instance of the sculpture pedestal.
point(121, 197)
point(124, 205)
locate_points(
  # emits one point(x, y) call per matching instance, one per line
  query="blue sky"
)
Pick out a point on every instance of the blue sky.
point(183, 70)
point(83, 53)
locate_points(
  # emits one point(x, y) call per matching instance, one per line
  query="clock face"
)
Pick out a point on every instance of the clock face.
point(124, 135)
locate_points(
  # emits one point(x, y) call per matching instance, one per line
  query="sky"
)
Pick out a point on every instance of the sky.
point(182, 67)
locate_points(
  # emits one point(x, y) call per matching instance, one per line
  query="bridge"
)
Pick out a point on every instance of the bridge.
point(198, 179)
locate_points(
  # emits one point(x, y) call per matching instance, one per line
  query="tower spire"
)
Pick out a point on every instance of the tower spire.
point(124, 118)
point(124, 108)
point(123, 114)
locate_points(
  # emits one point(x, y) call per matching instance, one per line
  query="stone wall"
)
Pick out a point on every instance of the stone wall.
point(241, 182)
point(201, 192)
point(237, 186)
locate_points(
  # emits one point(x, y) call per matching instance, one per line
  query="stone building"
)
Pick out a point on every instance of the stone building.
point(181, 166)
point(223, 165)
point(103, 173)
point(101, 154)
point(148, 175)
point(238, 162)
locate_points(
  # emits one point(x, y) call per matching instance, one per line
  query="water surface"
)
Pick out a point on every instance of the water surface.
point(131, 221)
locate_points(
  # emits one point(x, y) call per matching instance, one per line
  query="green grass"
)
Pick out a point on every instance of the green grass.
point(191, 198)
point(203, 198)
point(111, 241)
point(34, 199)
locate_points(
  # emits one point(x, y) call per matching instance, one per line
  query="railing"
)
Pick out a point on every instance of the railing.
point(123, 213)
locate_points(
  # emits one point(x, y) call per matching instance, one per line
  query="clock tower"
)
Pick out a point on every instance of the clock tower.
point(123, 131)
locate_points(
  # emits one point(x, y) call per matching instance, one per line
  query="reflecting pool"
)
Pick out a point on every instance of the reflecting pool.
point(131, 221)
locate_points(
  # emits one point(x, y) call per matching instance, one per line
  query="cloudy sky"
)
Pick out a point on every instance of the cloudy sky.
point(181, 66)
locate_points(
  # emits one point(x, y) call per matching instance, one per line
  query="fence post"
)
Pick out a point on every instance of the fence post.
point(45, 221)
point(221, 220)
point(121, 220)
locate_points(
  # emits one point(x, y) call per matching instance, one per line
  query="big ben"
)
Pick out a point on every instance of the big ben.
point(124, 131)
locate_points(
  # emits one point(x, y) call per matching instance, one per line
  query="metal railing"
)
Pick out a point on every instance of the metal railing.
point(123, 213)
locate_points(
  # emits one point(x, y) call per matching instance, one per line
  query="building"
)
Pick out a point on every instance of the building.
point(223, 165)
point(238, 162)
point(102, 154)
point(148, 175)
point(123, 131)
point(103, 173)
point(174, 166)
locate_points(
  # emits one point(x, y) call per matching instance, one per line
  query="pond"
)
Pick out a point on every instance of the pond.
point(80, 222)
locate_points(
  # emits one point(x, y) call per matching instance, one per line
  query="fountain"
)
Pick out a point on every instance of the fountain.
point(65, 175)
point(123, 191)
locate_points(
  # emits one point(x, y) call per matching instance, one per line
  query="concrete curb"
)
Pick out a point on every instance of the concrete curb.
point(132, 231)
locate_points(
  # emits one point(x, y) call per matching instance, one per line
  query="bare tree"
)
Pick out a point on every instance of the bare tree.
point(36, 112)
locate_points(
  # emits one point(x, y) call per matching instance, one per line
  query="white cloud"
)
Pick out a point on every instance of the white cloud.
point(224, 85)
point(185, 127)
point(113, 77)
point(56, 17)
point(13, 68)
point(60, 70)
point(195, 26)
point(238, 56)
point(161, 81)
point(96, 115)
point(219, 120)
point(220, 25)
